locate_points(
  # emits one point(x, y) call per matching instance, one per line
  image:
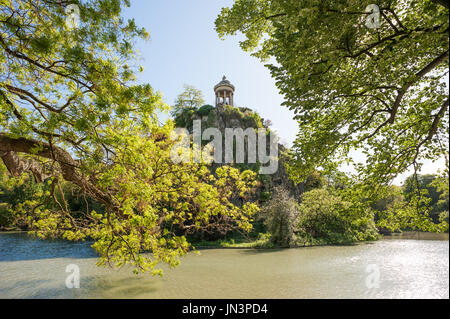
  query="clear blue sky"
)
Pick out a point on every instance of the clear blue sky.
point(185, 49)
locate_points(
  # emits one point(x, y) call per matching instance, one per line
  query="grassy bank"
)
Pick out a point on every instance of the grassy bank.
point(263, 241)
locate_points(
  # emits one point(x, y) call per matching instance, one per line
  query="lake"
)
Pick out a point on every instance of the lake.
point(412, 266)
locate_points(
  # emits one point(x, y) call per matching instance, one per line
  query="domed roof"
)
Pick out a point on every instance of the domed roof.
point(224, 82)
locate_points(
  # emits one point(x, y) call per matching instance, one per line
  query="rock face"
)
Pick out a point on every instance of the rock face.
point(224, 116)
point(281, 177)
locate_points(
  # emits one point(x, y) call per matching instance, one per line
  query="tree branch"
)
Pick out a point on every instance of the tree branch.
point(69, 167)
point(429, 67)
point(20, 92)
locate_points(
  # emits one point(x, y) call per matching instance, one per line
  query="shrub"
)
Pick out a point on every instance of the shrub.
point(204, 110)
point(184, 118)
point(280, 214)
point(7, 217)
point(443, 219)
point(232, 112)
point(252, 119)
point(18, 196)
point(326, 218)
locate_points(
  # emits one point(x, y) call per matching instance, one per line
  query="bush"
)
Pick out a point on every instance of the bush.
point(443, 219)
point(21, 195)
point(252, 119)
point(280, 214)
point(18, 196)
point(204, 110)
point(232, 112)
point(327, 219)
point(7, 217)
point(183, 119)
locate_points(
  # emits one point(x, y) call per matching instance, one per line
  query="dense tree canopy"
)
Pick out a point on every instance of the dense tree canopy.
point(380, 89)
point(434, 188)
point(60, 87)
point(70, 110)
point(191, 98)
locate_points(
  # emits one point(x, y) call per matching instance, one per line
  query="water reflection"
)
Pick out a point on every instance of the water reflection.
point(19, 246)
point(31, 268)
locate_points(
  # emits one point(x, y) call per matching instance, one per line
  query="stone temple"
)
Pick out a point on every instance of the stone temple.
point(224, 92)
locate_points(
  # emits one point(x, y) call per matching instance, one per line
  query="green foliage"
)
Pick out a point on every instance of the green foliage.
point(313, 181)
point(184, 117)
point(327, 218)
point(73, 116)
point(263, 240)
point(433, 188)
point(246, 116)
point(157, 202)
point(443, 218)
point(411, 212)
point(280, 214)
point(265, 196)
point(252, 119)
point(191, 99)
point(70, 81)
point(187, 106)
point(393, 196)
point(18, 196)
point(232, 112)
point(377, 90)
point(205, 110)
point(442, 185)
point(22, 198)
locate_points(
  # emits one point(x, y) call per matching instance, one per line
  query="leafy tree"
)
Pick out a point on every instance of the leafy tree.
point(442, 186)
point(71, 111)
point(190, 99)
point(379, 90)
point(315, 180)
point(18, 196)
point(411, 207)
point(205, 110)
point(443, 218)
point(394, 195)
point(331, 219)
point(434, 190)
point(280, 214)
point(60, 87)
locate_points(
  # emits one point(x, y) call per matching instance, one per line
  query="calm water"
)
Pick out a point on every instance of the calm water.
point(414, 267)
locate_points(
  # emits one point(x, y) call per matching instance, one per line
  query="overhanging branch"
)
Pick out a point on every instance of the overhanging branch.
point(10, 147)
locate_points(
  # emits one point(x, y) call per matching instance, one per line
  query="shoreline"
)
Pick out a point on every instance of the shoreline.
point(258, 245)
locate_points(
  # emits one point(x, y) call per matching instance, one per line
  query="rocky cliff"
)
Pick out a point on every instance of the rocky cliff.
point(225, 116)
